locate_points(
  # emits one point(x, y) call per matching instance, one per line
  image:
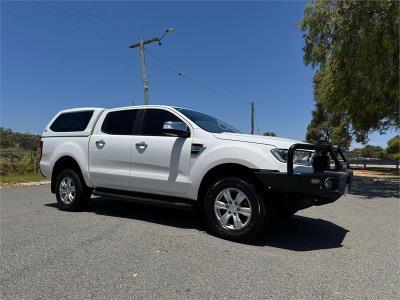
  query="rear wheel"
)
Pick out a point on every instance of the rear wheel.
point(234, 210)
point(71, 192)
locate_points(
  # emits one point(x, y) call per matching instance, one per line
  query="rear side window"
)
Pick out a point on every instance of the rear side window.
point(154, 120)
point(119, 122)
point(72, 121)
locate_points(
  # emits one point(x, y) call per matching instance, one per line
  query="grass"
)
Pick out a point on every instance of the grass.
point(379, 173)
point(19, 178)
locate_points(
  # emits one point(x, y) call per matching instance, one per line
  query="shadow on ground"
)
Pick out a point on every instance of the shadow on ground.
point(297, 233)
point(160, 215)
point(370, 187)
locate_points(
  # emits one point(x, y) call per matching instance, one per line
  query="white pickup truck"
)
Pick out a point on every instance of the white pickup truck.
point(171, 156)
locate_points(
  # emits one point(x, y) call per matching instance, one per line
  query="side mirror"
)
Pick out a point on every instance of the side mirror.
point(173, 128)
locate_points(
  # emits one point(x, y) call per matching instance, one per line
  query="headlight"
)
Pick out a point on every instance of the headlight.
point(300, 157)
point(280, 154)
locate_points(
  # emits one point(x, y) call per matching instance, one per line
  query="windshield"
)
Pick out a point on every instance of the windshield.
point(207, 122)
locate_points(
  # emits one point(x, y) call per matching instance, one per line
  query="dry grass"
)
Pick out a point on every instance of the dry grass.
point(378, 173)
point(20, 179)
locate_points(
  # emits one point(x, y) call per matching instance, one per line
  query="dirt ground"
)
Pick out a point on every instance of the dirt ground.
point(378, 173)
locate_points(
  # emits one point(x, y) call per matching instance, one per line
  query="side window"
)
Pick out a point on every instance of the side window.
point(154, 120)
point(72, 121)
point(119, 122)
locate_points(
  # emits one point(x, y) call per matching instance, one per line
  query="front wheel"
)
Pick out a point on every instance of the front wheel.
point(71, 192)
point(234, 210)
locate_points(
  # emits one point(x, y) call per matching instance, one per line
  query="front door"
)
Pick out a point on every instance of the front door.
point(110, 150)
point(160, 163)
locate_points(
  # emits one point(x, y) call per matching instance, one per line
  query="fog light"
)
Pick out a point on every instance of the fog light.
point(328, 183)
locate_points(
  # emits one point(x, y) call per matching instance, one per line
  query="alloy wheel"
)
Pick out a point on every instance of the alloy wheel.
point(232, 209)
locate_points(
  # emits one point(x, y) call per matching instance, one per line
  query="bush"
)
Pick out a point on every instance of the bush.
point(25, 165)
point(6, 167)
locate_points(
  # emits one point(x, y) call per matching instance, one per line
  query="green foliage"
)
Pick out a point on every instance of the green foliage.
point(27, 177)
point(370, 151)
point(355, 47)
point(269, 133)
point(17, 150)
point(6, 167)
point(10, 139)
point(325, 126)
point(25, 165)
point(395, 156)
point(394, 145)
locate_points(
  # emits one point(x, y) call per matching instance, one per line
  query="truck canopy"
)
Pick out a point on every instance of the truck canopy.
point(73, 122)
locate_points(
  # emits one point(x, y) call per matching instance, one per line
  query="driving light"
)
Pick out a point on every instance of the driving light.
point(328, 183)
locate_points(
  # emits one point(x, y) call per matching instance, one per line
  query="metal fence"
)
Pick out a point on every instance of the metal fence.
point(383, 163)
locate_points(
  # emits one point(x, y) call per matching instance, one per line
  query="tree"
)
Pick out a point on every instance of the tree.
point(325, 126)
point(369, 151)
point(354, 45)
point(393, 148)
point(269, 133)
point(10, 139)
point(393, 145)
point(372, 151)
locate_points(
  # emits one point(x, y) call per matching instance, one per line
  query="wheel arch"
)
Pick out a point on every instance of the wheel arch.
point(65, 162)
point(226, 170)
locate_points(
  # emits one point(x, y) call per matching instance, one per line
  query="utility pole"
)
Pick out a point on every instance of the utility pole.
point(141, 44)
point(252, 117)
point(144, 75)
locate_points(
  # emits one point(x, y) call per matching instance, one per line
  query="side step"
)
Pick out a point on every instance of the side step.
point(150, 199)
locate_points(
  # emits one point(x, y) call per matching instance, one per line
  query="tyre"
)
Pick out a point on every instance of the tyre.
point(71, 191)
point(234, 210)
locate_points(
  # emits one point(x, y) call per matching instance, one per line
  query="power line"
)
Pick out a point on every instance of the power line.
point(89, 17)
point(45, 4)
point(92, 35)
point(199, 83)
point(118, 26)
point(119, 43)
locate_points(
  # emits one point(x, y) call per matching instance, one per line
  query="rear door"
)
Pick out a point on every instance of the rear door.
point(110, 149)
point(160, 163)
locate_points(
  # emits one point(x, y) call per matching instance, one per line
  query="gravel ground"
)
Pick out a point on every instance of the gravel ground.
point(348, 249)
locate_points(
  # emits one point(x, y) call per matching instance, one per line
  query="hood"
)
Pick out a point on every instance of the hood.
point(257, 139)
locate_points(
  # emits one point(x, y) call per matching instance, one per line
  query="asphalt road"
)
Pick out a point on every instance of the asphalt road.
point(349, 249)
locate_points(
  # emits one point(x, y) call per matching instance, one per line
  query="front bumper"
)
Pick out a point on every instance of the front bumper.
point(319, 188)
point(310, 188)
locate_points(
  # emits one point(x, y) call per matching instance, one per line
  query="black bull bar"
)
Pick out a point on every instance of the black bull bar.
point(320, 187)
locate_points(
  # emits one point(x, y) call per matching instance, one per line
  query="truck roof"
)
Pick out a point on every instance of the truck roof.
point(145, 106)
point(120, 107)
point(97, 111)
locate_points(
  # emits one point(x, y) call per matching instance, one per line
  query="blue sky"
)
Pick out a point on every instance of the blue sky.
point(55, 56)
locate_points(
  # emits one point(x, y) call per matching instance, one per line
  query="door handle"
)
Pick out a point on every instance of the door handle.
point(141, 145)
point(100, 144)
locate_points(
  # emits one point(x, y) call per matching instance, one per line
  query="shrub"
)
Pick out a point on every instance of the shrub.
point(6, 167)
point(25, 165)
